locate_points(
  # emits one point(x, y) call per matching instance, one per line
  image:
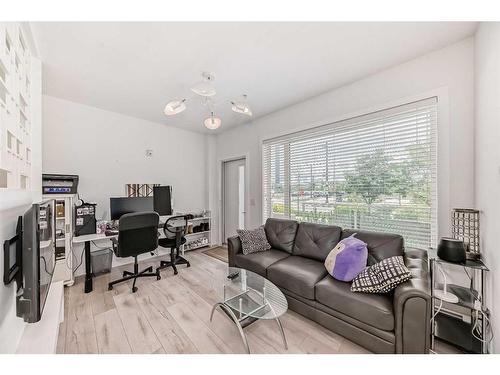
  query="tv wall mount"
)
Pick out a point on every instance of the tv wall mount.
point(13, 259)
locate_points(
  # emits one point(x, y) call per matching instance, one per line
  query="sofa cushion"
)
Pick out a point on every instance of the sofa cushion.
point(297, 274)
point(281, 233)
point(372, 309)
point(258, 262)
point(253, 240)
point(315, 241)
point(382, 277)
point(380, 245)
point(347, 259)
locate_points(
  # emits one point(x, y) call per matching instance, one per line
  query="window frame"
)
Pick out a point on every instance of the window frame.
point(322, 128)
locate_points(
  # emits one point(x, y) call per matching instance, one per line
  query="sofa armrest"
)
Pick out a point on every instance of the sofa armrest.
point(233, 248)
point(412, 307)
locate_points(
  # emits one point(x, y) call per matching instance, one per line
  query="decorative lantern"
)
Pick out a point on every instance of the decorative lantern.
point(465, 227)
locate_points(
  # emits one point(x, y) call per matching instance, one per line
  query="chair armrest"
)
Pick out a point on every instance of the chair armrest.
point(412, 307)
point(233, 248)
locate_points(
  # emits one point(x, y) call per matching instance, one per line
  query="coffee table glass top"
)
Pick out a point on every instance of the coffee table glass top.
point(251, 295)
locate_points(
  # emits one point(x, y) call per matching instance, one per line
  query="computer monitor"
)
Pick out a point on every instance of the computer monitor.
point(126, 205)
point(162, 200)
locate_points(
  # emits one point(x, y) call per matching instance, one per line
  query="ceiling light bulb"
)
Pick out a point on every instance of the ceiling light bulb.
point(174, 107)
point(241, 106)
point(204, 88)
point(212, 122)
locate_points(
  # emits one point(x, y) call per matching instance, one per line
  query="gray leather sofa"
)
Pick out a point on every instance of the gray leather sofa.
point(397, 322)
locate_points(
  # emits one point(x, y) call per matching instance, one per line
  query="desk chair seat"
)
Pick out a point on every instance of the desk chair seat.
point(175, 229)
point(170, 243)
point(137, 234)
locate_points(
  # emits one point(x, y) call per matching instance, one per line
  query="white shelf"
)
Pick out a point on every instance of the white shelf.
point(200, 218)
point(45, 244)
point(198, 247)
point(197, 233)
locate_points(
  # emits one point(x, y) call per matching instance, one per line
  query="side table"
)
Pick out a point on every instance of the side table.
point(459, 312)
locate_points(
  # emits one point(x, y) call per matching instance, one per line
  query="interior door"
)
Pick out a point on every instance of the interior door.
point(234, 197)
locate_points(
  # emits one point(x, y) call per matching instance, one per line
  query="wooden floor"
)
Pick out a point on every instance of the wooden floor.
point(172, 316)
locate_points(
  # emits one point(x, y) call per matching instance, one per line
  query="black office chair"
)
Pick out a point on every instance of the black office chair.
point(175, 229)
point(137, 234)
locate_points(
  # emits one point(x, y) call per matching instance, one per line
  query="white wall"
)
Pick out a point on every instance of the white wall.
point(14, 203)
point(447, 73)
point(108, 150)
point(487, 158)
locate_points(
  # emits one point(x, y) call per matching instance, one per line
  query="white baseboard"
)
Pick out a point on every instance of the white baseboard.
point(41, 337)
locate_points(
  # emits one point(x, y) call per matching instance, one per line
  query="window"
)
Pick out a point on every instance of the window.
point(373, 172)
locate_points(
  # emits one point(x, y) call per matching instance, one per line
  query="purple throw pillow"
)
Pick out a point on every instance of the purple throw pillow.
point(347, 259)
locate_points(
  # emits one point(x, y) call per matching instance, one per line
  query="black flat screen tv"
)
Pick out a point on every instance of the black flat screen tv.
point(38, 260)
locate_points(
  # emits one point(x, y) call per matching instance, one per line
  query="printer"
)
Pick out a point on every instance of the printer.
point(59, 184)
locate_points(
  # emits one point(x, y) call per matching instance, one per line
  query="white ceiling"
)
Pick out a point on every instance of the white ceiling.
point(135, 68)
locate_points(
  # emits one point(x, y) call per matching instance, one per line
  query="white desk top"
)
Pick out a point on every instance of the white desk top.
point(92, 237)
point(102, 236)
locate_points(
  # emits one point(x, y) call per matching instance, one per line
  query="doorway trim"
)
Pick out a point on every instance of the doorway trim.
point(221, 190)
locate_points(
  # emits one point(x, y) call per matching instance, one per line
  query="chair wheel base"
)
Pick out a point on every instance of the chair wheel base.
point(134, 289)
point(110, 287)
point(158, 277)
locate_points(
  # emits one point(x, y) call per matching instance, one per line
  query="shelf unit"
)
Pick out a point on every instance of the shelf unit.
point(64, 237)
point(15, 108)
point(454, 322)
point(203, 238)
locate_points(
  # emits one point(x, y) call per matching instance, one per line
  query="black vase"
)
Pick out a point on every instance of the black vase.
point(451, 250)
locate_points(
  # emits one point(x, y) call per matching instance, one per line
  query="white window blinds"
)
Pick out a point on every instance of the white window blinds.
point(373, 172)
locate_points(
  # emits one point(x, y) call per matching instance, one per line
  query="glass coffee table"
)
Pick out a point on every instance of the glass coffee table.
point(249, 297)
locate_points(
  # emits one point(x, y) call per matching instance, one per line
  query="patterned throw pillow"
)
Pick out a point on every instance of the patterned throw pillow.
point(347, 259)
point(382, 277)
point(253, 241)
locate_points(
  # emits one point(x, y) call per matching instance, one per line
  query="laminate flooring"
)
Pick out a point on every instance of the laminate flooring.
point(172, 315)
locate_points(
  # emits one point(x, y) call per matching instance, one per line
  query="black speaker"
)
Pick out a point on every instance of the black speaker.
point(162, 200)
point(451, 250)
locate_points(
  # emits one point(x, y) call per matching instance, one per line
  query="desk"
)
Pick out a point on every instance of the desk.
point(88, 238)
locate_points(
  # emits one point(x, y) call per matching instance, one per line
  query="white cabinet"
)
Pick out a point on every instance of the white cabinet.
point(64, 237)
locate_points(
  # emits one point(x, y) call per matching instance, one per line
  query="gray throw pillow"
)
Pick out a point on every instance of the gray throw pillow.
point(382, 277)
point(253, 241)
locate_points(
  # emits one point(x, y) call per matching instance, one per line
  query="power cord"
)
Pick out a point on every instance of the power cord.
point(476, 329)
point(45, 266)
point(81, 262)
point(438, 309)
